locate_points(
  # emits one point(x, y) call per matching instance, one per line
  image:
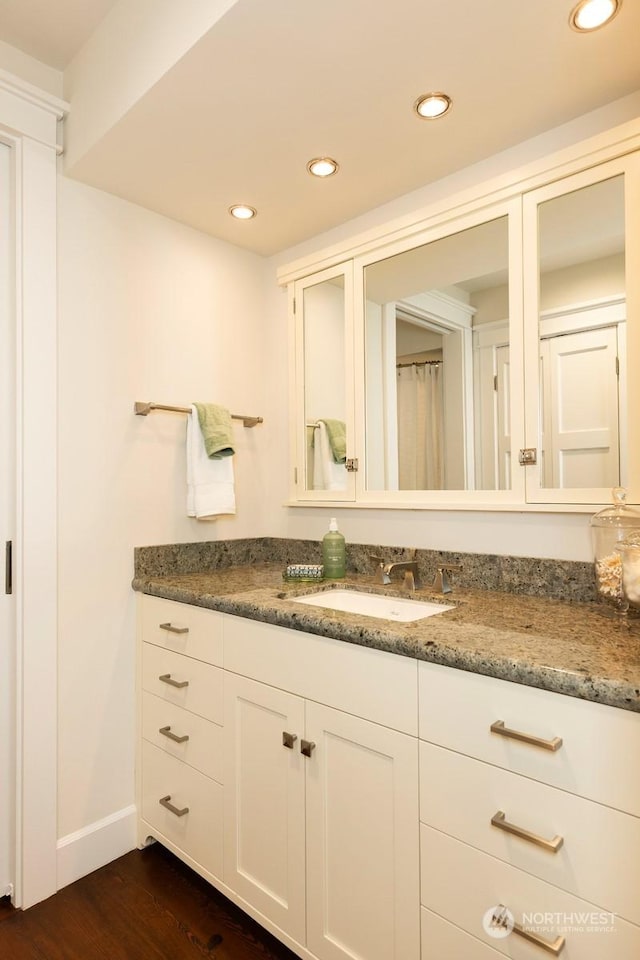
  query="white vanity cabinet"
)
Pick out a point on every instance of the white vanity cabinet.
point(321, 814)
point(530, 800)
point(180, 796)
point(375, 807)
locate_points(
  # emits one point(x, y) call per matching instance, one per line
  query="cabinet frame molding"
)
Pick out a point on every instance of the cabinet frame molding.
point(509, 192)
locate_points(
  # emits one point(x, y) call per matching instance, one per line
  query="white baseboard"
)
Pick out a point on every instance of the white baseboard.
point(94, 846)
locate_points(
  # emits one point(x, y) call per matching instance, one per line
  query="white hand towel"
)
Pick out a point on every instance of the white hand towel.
point(327, 474)
point(210, 489)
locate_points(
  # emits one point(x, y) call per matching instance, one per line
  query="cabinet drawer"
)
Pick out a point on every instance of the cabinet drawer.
point(202, 690)
point(457, 710)
point(442, 941)
point(459, 796)
point(461, 884)
point(367, 683)
point(199, 832)
point(182, 628)
point(203, 747)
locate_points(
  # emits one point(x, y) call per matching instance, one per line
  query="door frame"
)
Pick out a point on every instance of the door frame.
point(28, 125)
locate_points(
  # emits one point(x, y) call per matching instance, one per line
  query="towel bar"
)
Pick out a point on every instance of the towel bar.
point(144, 409)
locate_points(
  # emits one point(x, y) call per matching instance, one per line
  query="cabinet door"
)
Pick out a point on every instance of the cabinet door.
point(362, 839)
point(323, 385)
point(264, 860)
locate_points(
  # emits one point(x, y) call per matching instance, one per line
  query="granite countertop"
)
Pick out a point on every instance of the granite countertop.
point(578, 649)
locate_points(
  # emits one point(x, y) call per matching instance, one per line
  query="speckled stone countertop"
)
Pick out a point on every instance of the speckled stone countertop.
point(577, 649)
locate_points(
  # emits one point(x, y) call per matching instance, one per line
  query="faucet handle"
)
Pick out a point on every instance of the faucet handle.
point(381, 576)
point(410, 580)
point(441, 583)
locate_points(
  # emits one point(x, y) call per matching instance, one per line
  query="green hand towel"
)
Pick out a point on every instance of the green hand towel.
point(217, 431)
point(337, 434)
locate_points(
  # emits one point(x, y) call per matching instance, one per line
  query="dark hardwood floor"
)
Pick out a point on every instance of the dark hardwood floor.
point(145, 906)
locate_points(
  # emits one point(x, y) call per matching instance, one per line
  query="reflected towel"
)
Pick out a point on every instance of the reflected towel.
point(217, 430)
point(210, 486)
point(337, 433)
point(327, 474)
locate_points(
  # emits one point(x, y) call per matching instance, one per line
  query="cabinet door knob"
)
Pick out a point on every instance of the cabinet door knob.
point(288, 739)
point(307, 747)
point(165, 802)
point(167, 678)
point(166, 732)
point(173, 629)
point(498, 820)
point(498, 727)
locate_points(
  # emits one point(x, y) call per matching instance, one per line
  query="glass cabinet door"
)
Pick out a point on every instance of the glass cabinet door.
point(323, 313)
point(441, 335)
point(579, 334)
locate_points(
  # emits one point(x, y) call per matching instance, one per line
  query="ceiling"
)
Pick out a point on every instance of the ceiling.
point(276, 83)
point(52, 31)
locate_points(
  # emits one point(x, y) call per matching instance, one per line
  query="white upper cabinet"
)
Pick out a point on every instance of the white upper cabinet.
point(484, 357)
point(324, 396)
point(581, 333)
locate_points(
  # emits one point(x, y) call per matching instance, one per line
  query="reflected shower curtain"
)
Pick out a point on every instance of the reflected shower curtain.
point(420, 427)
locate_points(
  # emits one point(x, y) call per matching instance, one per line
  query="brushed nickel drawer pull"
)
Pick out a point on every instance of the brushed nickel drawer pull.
point(288, 739)
point(499, 727)
point(166, 732)
point(170, 627)
point(167, 678)
point(556, 947)
point(164, 802)
point(503, 918)
point(307, 747)
point(498, 820)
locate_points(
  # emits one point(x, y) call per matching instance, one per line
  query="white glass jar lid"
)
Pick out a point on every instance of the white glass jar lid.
point(619, 514)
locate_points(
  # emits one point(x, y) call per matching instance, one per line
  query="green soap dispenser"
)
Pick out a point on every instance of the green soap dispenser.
point(333, 552)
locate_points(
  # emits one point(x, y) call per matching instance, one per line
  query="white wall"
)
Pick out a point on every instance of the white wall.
point(582, 282)
point(148, 310)
point(28, 68)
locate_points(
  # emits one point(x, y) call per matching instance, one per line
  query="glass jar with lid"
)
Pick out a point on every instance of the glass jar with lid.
point(629, 550)
point(608, 528)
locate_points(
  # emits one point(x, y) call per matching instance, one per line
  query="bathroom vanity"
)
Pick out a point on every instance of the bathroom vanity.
point(378, 790)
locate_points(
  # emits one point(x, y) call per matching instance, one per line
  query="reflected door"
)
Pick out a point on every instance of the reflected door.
point(424, 307)
point(579, 374)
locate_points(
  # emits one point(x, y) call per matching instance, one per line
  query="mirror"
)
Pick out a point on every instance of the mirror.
point(581, 337)
point(436, 364)
point(323, 312)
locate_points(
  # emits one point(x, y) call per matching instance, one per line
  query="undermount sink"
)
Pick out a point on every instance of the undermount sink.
point(374, 605)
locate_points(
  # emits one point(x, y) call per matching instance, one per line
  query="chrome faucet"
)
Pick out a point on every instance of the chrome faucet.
point(409, 567)
point(441, 583)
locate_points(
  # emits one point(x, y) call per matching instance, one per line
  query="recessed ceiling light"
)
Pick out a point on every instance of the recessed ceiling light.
point(242, 212)
point(322, 167)
point(591, 14)
point(430, 106)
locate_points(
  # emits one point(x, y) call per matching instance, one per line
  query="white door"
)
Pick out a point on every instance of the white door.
point(580, 409)
point(264, 859)
point(7, 533)
point(362, 839)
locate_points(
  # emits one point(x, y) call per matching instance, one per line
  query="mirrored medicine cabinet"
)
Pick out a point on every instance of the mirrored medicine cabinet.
point(488, 358)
